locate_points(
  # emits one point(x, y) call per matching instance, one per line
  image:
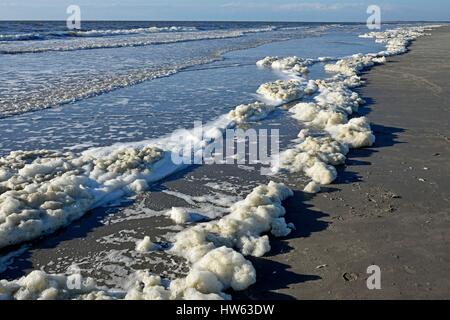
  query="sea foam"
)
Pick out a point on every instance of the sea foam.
point(330, 131)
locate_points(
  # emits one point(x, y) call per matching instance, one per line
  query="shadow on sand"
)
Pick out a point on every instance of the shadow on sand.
point(307, 222)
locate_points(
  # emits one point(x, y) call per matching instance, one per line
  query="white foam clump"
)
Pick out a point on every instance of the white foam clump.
point(261, 211)
point(292, 65)
point(210, 247)
point(312, 187)
point(39, 285)
point(283, 91)
point(317, 151)
point(398, 40)
point(145, 286)
point(250, 112)
point(146, 245)
point(354, 64)
point(179, 215)
point(355, 134)
point(294, 88)
point(315, 155)
point(335, 94)
point(41, 191)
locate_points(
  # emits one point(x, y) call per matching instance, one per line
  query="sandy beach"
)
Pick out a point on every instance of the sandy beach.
point(389, 207)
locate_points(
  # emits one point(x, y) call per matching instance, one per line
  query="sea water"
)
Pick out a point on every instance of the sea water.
point(177, 83)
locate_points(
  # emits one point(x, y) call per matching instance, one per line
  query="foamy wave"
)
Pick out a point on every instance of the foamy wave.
point(75, 91)
point(22, 36)
point(92, 33)
point(112, 42)
point(18, 102)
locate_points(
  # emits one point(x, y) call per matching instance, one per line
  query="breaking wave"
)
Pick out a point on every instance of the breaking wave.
point(91, 33)
point(85, 41)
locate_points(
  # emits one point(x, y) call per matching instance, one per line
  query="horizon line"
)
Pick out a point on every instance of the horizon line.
point(176, 20)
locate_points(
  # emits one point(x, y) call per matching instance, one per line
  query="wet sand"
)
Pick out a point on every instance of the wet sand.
point(390, 204)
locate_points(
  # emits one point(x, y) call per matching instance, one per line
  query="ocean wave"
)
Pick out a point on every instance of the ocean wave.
point(138, 40)
point(78, 90)
point(92, 33)
point(21, 101)
point(21, 36)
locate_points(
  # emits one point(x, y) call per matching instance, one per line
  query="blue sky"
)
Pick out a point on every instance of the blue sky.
point(251, 10)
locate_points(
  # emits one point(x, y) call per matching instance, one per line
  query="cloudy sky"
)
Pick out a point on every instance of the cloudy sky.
point(248, 10)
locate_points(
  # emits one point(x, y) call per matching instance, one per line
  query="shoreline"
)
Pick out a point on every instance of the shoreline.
point(388, 206)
